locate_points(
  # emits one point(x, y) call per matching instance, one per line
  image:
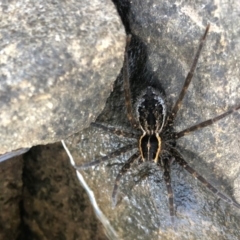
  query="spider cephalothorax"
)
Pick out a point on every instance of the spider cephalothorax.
point(157, 140)
point(151, 114)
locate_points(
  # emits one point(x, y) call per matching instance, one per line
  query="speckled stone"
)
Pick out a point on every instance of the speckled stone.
point(54, 204)
point(58, 62)
point(10, 198)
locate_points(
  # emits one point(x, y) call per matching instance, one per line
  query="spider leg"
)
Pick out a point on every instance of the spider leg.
point(126, 86)
point(106, 158)
point(179, 159)
point(167, 178)
point(127, 165)
point(188, 78)
point(205, 123)
point(113, 130)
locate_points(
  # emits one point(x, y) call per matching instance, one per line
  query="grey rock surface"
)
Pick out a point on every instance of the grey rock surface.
point(165, 38)
point(54, 205)
point(58, 62)
point(42, 199)
point(10, 198)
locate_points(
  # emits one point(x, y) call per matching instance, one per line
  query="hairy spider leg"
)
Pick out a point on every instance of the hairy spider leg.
point(109, 156)
point(179, 159)
point(116, 131)
point(188, 78)
point(127, 165)
point(205, 123)
point(126, 86)
point(167, 178)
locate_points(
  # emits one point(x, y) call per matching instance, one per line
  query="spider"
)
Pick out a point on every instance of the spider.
point(156, 137)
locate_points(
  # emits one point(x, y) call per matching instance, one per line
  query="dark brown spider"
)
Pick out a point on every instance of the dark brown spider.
point(157, 140)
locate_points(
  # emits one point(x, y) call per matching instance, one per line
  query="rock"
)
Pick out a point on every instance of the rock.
point(42, 199)
point(165, 37)
point(54, 204)
point(11, 198)
point(57, 67)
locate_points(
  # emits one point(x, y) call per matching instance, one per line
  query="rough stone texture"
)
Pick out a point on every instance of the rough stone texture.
point(10, 198)
point(57, 66)
point(165, 37)
point(42, 199)
point(54, 205)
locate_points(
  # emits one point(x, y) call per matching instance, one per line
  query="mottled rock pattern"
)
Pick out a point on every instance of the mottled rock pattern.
point(54, 204)
point(42, 199)
point(57, 67)
point(10, 198)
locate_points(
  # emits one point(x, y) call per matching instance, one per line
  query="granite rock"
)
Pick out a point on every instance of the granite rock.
point(57, 67)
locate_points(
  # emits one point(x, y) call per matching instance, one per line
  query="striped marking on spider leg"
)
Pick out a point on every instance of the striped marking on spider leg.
point(126, 85)
point(113, 130)
point(188, 78)
point(167, 178)
point(206, 123)
point(170, 201)
point(196, 175)
point(108, 157)
point(127, 165)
